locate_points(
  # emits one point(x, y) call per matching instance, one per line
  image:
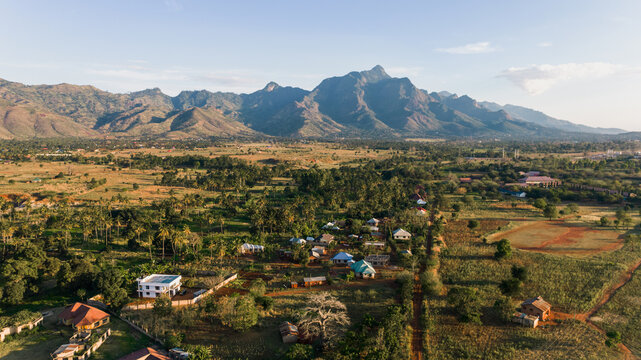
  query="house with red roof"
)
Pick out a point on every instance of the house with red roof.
point(145, 354)
point(83, 317)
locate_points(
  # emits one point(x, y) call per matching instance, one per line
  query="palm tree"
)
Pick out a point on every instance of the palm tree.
point(138, 229)
point(164, 234)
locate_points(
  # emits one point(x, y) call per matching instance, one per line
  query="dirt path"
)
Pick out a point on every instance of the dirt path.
point(417, 332)
point(607, 295)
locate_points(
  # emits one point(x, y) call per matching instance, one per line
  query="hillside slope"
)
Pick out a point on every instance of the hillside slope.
point(365, 104)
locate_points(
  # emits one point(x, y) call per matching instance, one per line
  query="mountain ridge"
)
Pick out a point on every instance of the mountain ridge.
point(362, 104)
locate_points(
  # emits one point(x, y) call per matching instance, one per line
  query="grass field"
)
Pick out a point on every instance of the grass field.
point(18, 178)
point(623, 313)
point(451, 340)
point(569, 283)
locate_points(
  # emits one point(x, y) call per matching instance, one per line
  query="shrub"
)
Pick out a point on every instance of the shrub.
point(466, 303)
point(510, 287)
point(299, 352)
point(266, 302)
point(519, 272)
point(431, 283)
point(503, 249)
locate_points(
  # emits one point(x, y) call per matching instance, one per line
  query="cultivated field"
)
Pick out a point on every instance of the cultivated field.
point(573, 235)
point(561, 237)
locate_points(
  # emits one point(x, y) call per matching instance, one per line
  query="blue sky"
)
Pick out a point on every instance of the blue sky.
point(576, 60)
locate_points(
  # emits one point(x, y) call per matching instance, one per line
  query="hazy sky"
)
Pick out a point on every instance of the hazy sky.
point(576, 60)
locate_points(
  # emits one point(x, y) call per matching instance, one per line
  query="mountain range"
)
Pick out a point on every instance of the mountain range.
point(365, 104)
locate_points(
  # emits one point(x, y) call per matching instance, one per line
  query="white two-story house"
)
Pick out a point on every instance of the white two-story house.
point(157, 284)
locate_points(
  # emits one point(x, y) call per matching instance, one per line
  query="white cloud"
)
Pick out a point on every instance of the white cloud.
point(133, 77)
point(138, 73)
point(544, 44)
point(537, 79)
point(474, 48)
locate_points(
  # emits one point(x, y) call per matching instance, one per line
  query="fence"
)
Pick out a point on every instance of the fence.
point(141, 329)
point(196, 299)
point(94, 347)
point(10, 330)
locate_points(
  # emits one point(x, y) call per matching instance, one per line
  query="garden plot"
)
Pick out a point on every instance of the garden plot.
point(561, 237)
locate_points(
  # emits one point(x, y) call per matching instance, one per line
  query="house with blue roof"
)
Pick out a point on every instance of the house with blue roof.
point(364, 270)
point(342, 258)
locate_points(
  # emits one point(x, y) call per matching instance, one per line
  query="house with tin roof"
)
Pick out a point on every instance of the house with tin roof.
point(66, 351)
point(342, 258)
point(364, 270)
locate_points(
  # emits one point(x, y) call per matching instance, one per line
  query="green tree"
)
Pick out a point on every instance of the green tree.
point(466, 303)
point(238, 312)
point(540, 203)
point(519, 272)
point(572, 208)
point(473, 224)
point(430, 283)
point(198, 352)
point(109, 282)
point(604, 221)
point(614, 338)
point(258, 287)
point(510, 287)
point(503, 249)
point(162, 306)
point(550, 211)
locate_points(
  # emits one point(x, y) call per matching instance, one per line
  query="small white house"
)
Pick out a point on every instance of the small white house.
point(248, 248)
point(157, 284)
point(421, 202)
point(373, 222)
point(400, 234)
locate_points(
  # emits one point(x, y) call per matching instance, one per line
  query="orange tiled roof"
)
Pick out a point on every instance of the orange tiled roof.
point(145, 354)
point(81, 314)
point(538, 303)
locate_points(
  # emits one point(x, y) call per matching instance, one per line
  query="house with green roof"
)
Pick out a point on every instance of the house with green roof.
point(363, 269)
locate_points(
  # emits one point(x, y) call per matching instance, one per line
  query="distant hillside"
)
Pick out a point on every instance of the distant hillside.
point(542, 119)
point(365, 104)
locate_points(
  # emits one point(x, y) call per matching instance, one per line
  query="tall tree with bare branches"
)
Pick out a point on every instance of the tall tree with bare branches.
point(324, 316)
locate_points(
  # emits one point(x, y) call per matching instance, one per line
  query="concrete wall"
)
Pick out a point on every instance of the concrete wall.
point(18, 329)
point(95, 346)
point(150, 305)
